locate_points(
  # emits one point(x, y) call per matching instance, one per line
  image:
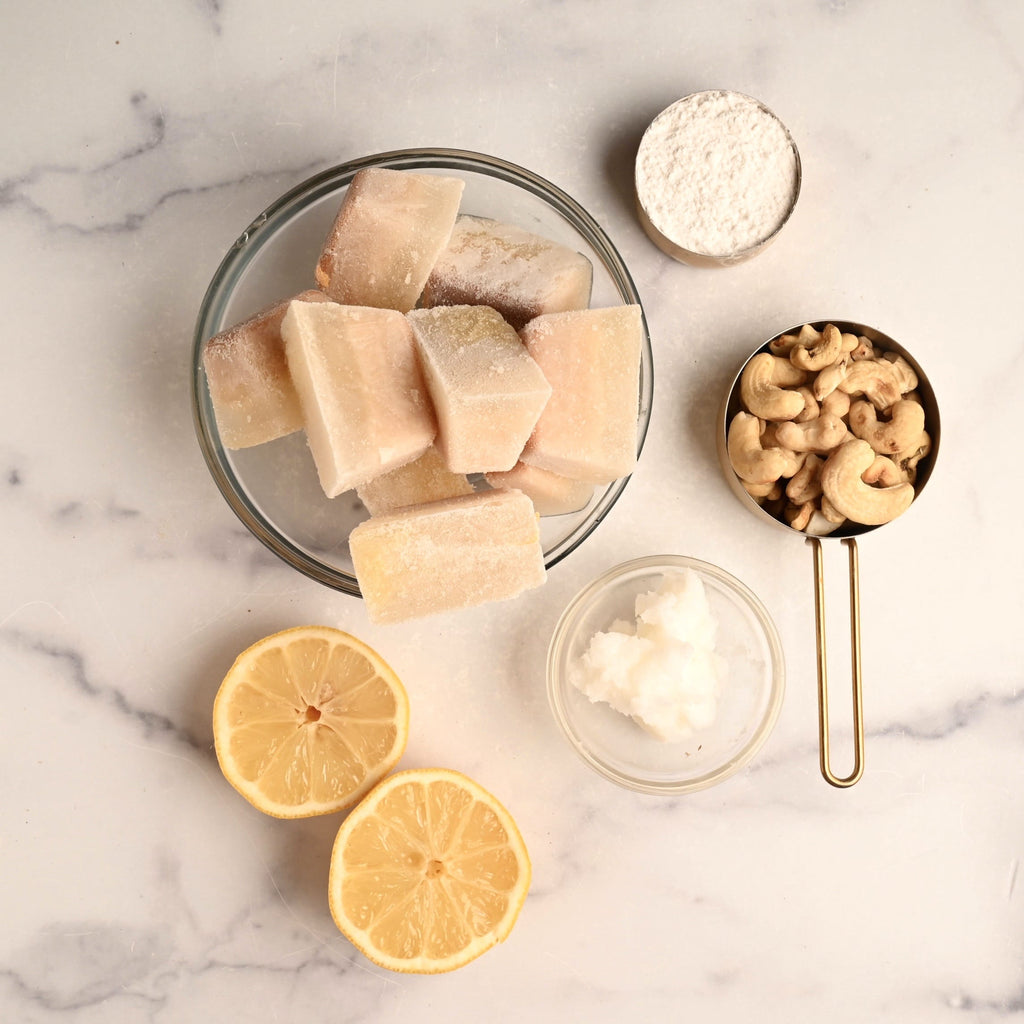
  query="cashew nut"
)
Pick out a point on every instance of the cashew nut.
point(849, 495)
point(760, 491)
point(783, 344)
point(770, 439)
point(908, 459)
point(873, 378)
point(884, 472)
point(805, 485)
point(811, 409)
point(808, 337)
point(751, 462)
point(826, 350)
point(837, 403)
point(906, 377)
point(798, 516)
point(762, 387)
point(905, 424)
point(862, 350)
point(831, 513)
point(819, 435)
point(770, 491)
point(828, 379)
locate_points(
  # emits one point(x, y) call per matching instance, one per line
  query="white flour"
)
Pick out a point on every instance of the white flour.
point(716, 173)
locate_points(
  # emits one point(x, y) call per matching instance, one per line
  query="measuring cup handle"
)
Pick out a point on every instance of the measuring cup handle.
point(858, 704)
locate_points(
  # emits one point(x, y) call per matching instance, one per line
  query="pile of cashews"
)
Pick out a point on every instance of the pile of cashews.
point(831, 430)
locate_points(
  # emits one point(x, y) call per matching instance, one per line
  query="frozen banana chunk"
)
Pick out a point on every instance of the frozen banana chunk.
point(361, 390)
point(551, 494)
point(592, 360)
point(446, 555)
point(387, 235)
point(521, 275)
point(425, 479)
point(253, 397)
point(486, 390)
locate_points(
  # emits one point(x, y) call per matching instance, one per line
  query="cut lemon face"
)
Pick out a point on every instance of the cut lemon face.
point(428, 872)
point(308, 720)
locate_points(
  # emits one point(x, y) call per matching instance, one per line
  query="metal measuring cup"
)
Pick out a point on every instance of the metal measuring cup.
point(847, 534)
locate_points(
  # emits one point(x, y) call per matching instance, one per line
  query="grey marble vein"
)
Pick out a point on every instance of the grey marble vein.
point(99, 183)
point(72, 665)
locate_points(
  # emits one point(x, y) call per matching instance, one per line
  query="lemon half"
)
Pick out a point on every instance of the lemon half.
point(308, 720)
point(428, 872)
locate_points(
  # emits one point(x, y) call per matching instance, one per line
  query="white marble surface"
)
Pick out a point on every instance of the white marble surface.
point(139, 140)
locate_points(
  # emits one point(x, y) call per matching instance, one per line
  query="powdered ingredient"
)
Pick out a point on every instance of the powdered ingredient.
point(716, 173)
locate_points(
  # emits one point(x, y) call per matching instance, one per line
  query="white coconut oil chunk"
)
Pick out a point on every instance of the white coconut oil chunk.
point(717, 174)
point(661, 669)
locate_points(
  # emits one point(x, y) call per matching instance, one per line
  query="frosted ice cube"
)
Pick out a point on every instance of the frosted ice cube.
point(386, 237)
point(487, 391)
point(361, 390)
point(425, 479)
point(253, 397)
point(591, 358)
point(447, 554)
point(487, 263)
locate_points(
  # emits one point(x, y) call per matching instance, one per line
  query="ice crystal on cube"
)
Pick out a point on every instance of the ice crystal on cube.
point(361, 390)
point(517, 273)
point(447, 555)
point(487, 390)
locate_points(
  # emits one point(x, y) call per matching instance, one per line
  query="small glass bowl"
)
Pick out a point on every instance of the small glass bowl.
point(749, 700)
point(273, 488)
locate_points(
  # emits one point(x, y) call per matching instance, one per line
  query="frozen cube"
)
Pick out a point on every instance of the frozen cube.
point(446, 555)
point(592, 360)
point(487, 391)
point(386, 237)
point(551, 494)
point(253, 397)
point(425, 479)
point(359, 384)
point(487, 263)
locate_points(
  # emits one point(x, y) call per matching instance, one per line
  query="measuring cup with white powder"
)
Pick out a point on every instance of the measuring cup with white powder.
point(717, 177)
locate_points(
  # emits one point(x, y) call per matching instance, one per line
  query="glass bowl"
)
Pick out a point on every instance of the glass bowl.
point(273, 488)
point(749, 699)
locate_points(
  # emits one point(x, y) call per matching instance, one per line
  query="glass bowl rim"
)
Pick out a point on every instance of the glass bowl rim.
point(262, 229)
point(584, 599)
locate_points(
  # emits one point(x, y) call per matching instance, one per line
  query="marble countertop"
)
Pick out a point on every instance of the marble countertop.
point(140, 139)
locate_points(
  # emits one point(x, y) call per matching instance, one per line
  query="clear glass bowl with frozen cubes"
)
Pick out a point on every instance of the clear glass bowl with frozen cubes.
point(749, 690)
point(273, 488)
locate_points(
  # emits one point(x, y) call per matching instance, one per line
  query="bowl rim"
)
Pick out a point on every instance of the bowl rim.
point(263, 228)
point(557, 683)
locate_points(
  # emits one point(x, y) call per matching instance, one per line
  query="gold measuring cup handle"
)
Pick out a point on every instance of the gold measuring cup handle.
point(824, 743)
point(732, 404)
